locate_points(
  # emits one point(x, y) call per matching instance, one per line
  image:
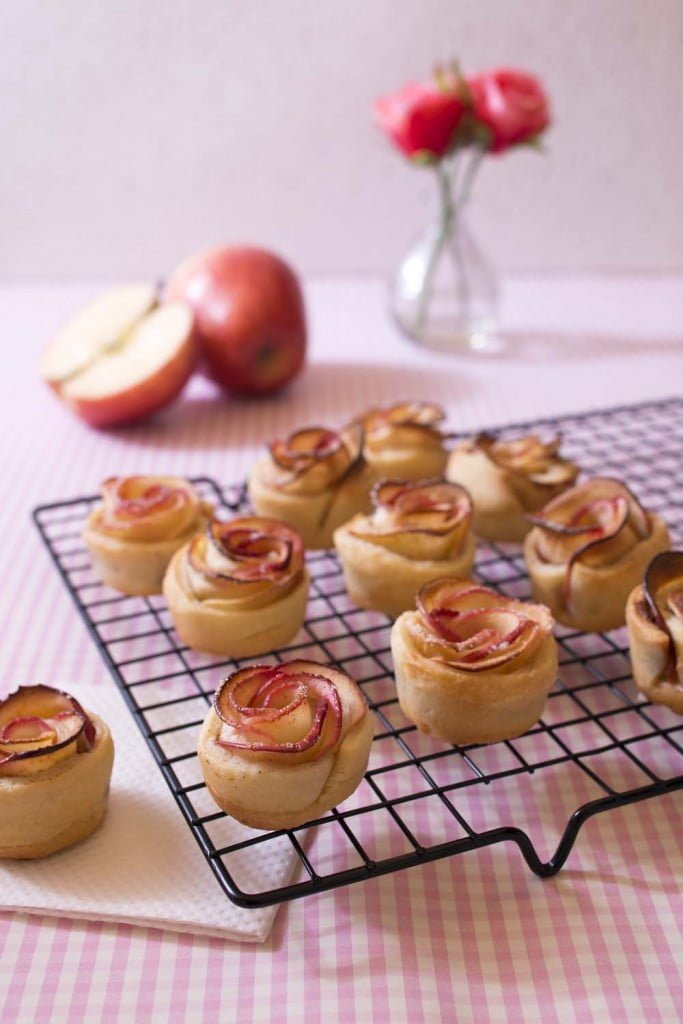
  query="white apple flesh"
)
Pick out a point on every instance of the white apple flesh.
point(122, 357)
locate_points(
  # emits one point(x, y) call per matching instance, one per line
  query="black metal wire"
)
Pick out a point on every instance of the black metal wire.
point(420, 796)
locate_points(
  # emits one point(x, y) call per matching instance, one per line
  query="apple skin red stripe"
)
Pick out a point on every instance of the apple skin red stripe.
point(244, 702)
point(53, 705)
point(479, 628)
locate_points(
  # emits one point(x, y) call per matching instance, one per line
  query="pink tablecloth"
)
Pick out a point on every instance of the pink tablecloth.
point(473, 936)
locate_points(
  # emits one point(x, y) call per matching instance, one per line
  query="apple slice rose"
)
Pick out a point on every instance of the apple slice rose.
point(420, 519)
point(249, 560)
point(240, 588)
point(316, 458)
point(654, 617)
point(475, 629)
point(139, 525)
point(149, 508)
point(419, 530)
point(55, 766)
point(122, 357)
point(39, 727)
point(588, 548)
point(508, 479)
point(283, 744)
point(315, 479)
point(404, 441)
point(471, 665)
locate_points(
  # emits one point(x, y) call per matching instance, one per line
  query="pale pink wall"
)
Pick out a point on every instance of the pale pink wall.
point(136, 131)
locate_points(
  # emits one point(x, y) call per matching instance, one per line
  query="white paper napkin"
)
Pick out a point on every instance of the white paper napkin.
point(143, 866)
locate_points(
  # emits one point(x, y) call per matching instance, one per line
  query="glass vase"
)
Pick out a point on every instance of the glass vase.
point(445, 292)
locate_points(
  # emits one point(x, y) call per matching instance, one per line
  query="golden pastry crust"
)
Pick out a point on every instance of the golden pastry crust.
point(588, 549)
point(509, 479)
point(240, 588)
point(472, 666)
point(315, 481)
point(654, 617)
point(55, 766)
point(419, 530)
point(404, 441)
point(139, 526)
point(284, 744)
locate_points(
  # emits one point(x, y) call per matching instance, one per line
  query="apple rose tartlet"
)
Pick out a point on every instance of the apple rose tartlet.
point(472, 666)
point(283, 744)
point(55, 766)
point(141, 523)
point(419, 530)
point(654, 616)
point(238, 589)
point(587, 550)
point(315, 481)
point(404, 441)
point(508, 479)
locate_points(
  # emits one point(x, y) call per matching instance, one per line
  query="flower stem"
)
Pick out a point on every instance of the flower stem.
point(444, 229)
point(455, 179)
point(460, 263)
point(469, 175)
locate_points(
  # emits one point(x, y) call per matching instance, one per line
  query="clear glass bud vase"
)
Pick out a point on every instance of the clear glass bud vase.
point(445, 292)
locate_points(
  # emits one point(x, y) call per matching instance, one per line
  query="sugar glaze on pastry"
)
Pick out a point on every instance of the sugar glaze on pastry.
point(141, 522)
point(418, 530)
point(587, 550)
point(283, 744)
point(240, 588)
point(471, 665)
point(314, 480)
point(404, 441)
point(55, 766)
point(654, 616)
point(508, 479)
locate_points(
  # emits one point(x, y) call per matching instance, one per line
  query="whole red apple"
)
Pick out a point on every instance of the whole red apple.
point(249, 316)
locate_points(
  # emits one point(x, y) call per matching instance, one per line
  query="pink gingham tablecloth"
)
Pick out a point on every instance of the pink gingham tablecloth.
point(473, 937)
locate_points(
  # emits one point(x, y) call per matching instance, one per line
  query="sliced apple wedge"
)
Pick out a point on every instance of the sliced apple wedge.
point(96, 328)
point(123, 357)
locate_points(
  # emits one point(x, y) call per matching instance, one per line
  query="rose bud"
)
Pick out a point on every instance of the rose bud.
point(512, 106)
point(421, 119)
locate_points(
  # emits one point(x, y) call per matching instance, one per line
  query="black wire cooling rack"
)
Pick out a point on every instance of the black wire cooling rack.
point(598, 745)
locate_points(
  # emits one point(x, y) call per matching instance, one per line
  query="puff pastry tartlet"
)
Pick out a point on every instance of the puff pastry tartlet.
point(587, 550)
point(654, 616)
point(283, 744)
point(55, 766)
point(404, 441)
point(472, 666)
point(418, 531)
point(240, 588)
point(508, 479)
point(141, 522)
point(315, 480)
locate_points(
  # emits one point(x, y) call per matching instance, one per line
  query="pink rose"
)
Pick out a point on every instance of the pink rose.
point(511, 104)
point(421, 119)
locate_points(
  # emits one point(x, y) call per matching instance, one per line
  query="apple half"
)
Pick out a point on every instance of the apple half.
point(122, 357)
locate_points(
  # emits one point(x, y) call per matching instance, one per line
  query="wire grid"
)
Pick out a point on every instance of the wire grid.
point(597, 746)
